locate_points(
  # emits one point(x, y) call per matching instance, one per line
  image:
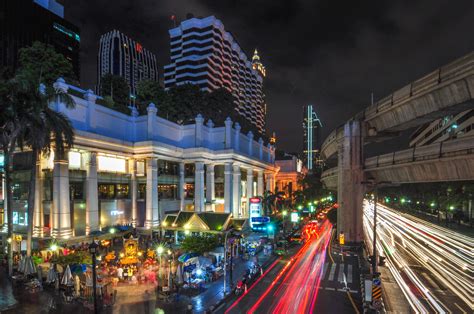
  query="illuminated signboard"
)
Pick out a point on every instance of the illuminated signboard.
point(294, 217)
point(255, 209)
point(111, 164)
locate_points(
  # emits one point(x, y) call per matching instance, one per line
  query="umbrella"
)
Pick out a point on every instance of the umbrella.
point(52, 275)
point(29, 267)
point(179, 274)
point(77, 285)
point(67, 277)
point(183, 258)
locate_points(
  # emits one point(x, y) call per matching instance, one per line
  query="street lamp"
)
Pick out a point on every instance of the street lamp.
point(93, 251)
point(225, 260)
point(284, 214)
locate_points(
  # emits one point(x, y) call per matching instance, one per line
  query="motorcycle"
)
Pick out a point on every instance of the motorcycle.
point(240, 288)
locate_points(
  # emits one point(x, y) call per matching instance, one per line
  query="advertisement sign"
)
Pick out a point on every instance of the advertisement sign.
point(255, 209)
point(261, 220)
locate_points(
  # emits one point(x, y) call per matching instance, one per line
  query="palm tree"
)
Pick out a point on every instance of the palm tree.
point(44, 128)
point(14, 97)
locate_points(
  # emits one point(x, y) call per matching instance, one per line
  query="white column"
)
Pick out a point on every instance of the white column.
point(181, 186)
point(236, 192)
point(152, 215)
point(38, 216)
point(270, 182)
point(61, 202)
point(92, 197)
point(199, 187)
point(132, 167)
point(249, 189)
point(210, 184)
point(260, 187)
point(228, 187)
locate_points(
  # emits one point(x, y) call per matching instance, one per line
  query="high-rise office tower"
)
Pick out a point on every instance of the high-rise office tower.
point(311, 138)
point(204, 54)
point(122, 56)
point(24, 21)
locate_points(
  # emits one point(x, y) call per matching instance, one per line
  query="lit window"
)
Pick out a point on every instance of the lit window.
point(111, 164)
point(140, 168)
point(74, 160)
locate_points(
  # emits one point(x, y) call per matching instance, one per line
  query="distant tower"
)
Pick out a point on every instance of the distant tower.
point(122, 56)
point(257, 65)
point(311, 138)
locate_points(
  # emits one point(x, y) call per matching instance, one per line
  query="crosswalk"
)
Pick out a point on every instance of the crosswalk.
point(343, 273)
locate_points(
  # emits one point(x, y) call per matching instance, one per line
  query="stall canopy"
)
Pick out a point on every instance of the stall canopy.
point(198, 222)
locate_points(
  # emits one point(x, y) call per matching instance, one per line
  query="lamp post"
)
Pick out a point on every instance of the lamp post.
point(375, 186)
point(284, 214)
point(93, 251)
point(225, 261)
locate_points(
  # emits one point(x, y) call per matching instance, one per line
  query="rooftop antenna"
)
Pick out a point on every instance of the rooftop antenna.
point(371, 98)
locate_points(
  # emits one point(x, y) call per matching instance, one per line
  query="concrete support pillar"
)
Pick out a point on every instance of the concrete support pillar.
point(236, 192)
point(210, 184)
point(38, 215)
point(350, 190)
point(152, 218)
point(249, 190)
point(260, 186)
point(60, 209)
point(228, 187)
point(132, 168)
point(92, 197)
point(199, 187)
point(181, 186)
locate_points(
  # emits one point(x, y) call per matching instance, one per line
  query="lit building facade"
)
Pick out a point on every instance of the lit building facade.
point(122, 56)
point(311, 138)
point(131, 169)
point(290, 175)
point(24, 21)
point(450, 127)
point(204, 54)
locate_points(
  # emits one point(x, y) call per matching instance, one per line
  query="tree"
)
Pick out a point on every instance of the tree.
point(43, 127)
point(40, 63)
point(14, 98)
point(117, 88)
point(219, 105)
point(149, 91)
point(37, 124)
point(199, 244)
point(188, 100)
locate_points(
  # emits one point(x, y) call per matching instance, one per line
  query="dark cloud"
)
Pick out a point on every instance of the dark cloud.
point(330, 53)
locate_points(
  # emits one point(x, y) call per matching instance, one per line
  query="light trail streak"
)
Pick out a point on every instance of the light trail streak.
point(406, 240)
point(298, 282)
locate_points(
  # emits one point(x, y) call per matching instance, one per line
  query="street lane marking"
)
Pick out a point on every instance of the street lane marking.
point(340, 276)
point(349, 273)
point(331, 289)
point(325, 269)
point(331, 273)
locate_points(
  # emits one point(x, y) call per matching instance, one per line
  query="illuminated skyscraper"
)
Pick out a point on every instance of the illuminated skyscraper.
point(311, 138)
point(121, 55)
point(203, 53)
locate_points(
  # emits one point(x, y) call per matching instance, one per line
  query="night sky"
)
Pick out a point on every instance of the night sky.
point(330, 53)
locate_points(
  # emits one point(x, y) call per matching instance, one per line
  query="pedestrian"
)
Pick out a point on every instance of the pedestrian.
point(120, 273)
